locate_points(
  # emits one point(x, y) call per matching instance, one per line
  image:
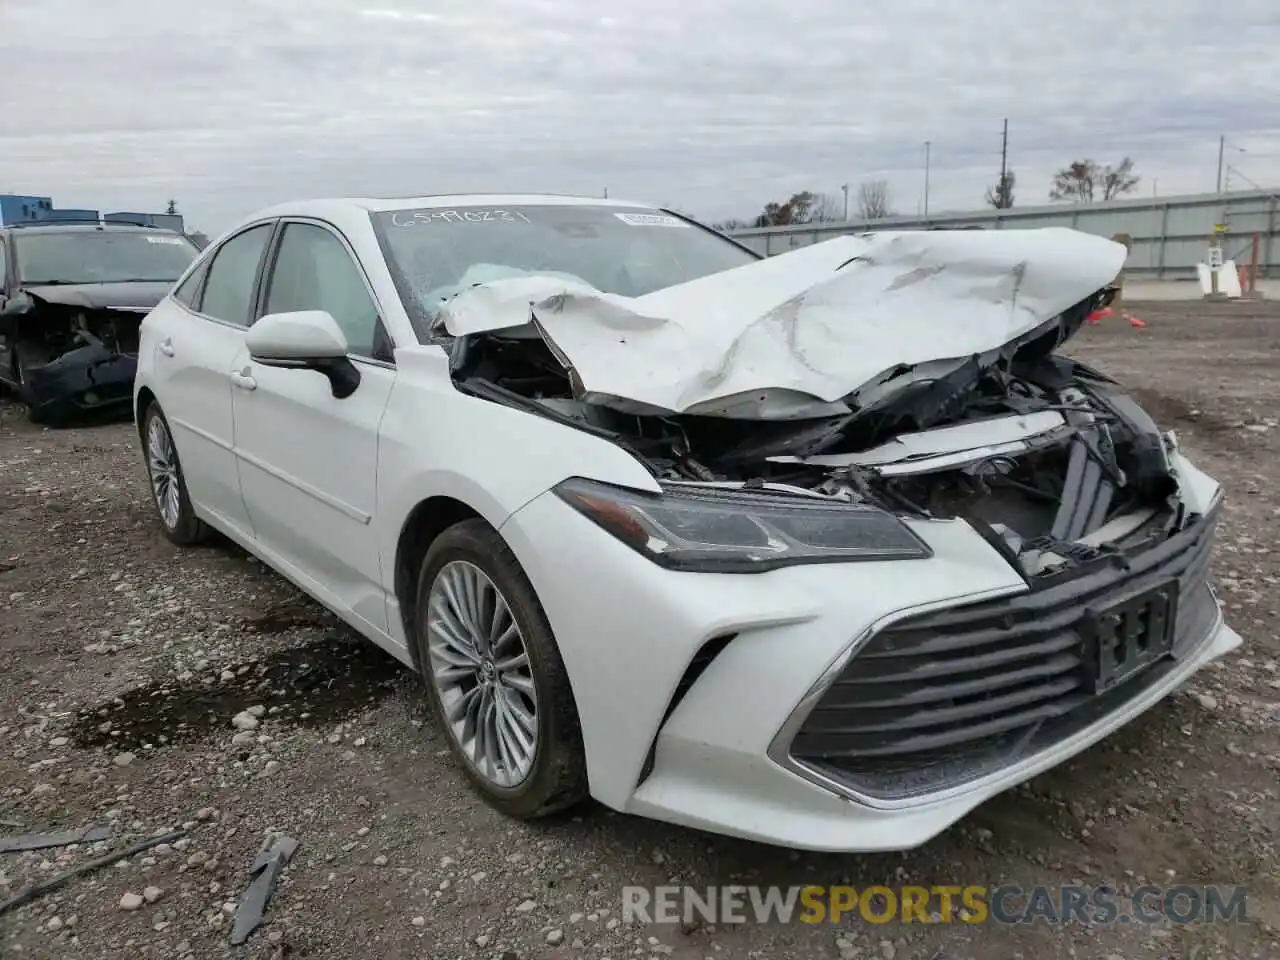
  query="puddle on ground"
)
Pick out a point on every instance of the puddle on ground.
point(312, 685)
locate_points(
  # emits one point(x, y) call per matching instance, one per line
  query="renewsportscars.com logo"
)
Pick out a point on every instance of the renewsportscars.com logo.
point(972, 904)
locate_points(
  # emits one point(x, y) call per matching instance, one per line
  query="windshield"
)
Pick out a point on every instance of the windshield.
point(434, 252)
point(94, 256)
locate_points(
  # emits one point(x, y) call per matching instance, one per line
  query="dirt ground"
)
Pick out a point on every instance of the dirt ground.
point(123, 661)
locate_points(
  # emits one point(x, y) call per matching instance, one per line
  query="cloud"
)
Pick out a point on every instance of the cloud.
point(715, 106)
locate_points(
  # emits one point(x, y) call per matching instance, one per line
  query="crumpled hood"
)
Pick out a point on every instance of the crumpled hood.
point(140, 297)
point(791, 336)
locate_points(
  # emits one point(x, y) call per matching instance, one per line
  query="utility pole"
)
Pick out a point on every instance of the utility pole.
point(845, 187)
point(606, 193)
point(1222, 146)
point(926, 178)
point(1004, 151)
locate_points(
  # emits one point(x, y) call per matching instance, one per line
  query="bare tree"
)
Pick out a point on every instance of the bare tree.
point(805, 207)
point(1000, 196)
point(1118, 179)
point(1074, 182)
point(774, 215)
point(728, 226)
point(826, 208)
point(873, 200)
point(797, 209)
point(1082, 180)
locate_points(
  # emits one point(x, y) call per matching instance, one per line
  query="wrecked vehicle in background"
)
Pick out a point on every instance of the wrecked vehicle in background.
point(73, 297)
point(821, 550)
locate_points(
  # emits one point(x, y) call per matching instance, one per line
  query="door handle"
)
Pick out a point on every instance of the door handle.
point(166, 346)
point(244, 381)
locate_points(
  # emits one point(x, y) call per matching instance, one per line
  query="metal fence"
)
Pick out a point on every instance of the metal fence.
point(1170, 235)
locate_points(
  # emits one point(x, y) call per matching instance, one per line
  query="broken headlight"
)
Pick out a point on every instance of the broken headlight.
point(736, 532)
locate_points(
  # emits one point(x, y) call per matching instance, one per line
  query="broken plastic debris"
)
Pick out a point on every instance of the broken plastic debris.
point(275, 854)
point(43, 841)
point(40, 889)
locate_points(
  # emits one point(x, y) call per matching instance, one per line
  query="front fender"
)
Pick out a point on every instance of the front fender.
point(436, 441)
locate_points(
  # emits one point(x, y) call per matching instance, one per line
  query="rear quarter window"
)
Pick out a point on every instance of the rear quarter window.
point(188, 292)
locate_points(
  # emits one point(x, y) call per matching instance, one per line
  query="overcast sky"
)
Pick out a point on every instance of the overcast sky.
point(713, 106)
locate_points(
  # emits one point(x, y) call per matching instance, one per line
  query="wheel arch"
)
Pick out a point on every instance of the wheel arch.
point(424, 523)
point(142, 402)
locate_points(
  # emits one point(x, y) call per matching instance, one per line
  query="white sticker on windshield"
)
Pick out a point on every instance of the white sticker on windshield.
point(650, 220)
point(176, 241)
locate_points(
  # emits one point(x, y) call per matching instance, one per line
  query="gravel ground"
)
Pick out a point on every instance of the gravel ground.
point(125, 660)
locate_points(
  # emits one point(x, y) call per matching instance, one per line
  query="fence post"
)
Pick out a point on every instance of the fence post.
point(1253, 266)
point(1163, 240)
point(1269, 260)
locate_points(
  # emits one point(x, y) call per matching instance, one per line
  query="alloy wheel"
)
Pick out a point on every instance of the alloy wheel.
point(482, 675)
point(162, 460)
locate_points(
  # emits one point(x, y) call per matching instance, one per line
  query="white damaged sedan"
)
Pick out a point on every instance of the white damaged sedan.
point(820, 550)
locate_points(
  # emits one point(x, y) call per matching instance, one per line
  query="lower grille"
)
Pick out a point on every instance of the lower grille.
point(939, 699)
point(697, 666)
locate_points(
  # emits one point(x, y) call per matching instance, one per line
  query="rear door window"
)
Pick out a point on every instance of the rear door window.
point(228, 291)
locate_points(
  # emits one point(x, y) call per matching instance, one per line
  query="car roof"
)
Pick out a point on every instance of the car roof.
point(36, 226)
point(386, 204)
point(486, 199)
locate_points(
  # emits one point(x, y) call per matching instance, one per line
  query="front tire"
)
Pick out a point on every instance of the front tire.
point(494, 676)
point(18, 370)
point(178, 520)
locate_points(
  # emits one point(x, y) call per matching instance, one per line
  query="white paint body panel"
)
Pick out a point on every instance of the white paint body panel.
point(304, 500)
point(191, 363)
point(321, 489)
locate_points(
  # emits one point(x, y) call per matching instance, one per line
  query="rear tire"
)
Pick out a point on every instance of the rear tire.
point(178, 520)
point(499, 693)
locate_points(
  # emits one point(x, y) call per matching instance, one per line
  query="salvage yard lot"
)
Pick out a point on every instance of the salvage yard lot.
point(125, 659)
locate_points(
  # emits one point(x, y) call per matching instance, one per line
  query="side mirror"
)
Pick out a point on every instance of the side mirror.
point(307, 340)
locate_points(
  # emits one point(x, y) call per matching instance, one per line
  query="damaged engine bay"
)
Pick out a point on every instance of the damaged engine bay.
point(50, 330)
point(73, 355)
point(1045, 457)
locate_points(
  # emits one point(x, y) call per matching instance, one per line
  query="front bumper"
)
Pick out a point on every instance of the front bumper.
point(690, 686)
point(90, 381)
point(931, 702)
point(748, 799)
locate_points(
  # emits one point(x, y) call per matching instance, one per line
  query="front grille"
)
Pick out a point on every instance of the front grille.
point(939, 699)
